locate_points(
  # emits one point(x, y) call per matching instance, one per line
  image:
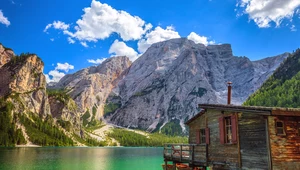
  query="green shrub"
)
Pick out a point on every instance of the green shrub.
point(59, 94)
point(172, 128)
point(111, 108)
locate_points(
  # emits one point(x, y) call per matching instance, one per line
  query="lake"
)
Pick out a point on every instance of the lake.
point(69, 158)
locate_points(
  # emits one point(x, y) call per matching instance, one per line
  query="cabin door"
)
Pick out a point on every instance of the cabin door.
point(253, 141)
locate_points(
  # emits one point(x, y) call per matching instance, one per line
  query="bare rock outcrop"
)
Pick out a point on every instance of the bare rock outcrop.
point(22, 77)
point(5, 55)
point(90, 87)
point(65, 111)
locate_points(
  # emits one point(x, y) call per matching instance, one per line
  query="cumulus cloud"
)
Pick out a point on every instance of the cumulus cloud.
point(119, 48)
point(97, 61)
point(59, 25)
point(4, 20)
point(59, 72)
point(263, 12)
point(157, 35)
point(101, 20)
point(64, 67)
point(56, 76)
point(199, 39)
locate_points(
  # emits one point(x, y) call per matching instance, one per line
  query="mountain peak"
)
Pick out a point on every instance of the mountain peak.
point(5, 55)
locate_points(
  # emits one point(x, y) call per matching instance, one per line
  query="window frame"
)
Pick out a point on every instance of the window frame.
point(225, 128)
point(282, 128)
point(202, 136)
point(227, 140)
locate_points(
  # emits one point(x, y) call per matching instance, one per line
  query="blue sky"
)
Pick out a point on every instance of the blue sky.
point(68, 35)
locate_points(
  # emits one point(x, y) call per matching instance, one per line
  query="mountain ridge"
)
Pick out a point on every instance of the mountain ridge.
point(282, 88)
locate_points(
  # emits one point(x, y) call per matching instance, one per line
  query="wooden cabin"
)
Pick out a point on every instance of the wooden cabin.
point(240, 137)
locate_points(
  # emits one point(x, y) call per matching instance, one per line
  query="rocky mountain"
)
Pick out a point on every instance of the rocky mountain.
point(5, 55)
point(26, 115)
point(31, 114)
point(23, 77)
point(282, 89)
point(90, 87)
point(163, 87)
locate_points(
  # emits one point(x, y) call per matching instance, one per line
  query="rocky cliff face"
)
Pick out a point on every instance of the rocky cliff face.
point(171, 78)
point(23, 78)
point(90, 87)
point(65, 112)
point(5, 55)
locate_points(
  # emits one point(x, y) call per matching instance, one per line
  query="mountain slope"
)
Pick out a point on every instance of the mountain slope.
point(282, 89)
point(24, 108)
point(90, 87)
point(163, 87)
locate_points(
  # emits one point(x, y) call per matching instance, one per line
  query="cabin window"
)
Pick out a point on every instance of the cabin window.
point(280, 127)
point(228, 129)
point(202, 136)
point(228, 133)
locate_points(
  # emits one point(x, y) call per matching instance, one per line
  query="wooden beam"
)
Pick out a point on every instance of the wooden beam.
point(285, 113)
point(238, 142)
point(268, 145)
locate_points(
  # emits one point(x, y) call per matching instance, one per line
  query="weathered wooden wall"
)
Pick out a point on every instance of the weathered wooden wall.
point(226, 155)
point(194, 126)
point(285, 149)
point(253, 141)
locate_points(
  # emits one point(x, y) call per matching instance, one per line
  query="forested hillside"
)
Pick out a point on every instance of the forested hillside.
point(282, 89)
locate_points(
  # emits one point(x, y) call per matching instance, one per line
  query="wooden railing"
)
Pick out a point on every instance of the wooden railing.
point(186, 153)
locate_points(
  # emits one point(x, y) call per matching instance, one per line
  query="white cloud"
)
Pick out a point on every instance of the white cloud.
point(51, 39)
point(157, 35)
point(64, 67)
point(263, 12)
point(47, 27)
point(70, 40)
point(101, 20)
point(119, 48)
point(59, 25)
point(84, 44)
point(97, 61)
point(56, 74)
point(199, 39)
point(293, 28)
point(4, 20)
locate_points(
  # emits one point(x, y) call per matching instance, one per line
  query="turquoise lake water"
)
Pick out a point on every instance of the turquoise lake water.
point(118, 158)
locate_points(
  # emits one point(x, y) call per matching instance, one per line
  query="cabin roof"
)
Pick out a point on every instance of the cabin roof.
point(252, 109)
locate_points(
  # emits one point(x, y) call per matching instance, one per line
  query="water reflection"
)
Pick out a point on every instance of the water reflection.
point(81, 158)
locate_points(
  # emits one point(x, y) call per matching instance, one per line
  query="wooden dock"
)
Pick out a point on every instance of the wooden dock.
point(193, 154)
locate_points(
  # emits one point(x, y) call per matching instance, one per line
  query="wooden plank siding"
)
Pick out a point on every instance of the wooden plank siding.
point(253, 141)
point(220, 156)
point(285, 149)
